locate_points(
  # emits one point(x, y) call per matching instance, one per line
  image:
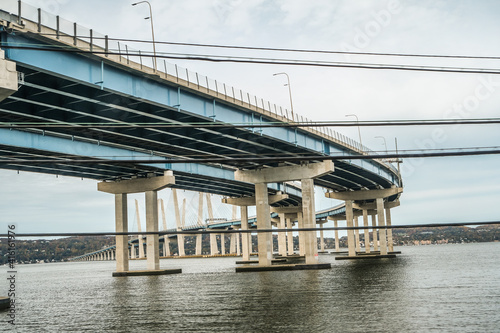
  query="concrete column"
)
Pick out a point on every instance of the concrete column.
point(166, 239)
point(374, 233)
point(238, 246)
point(198, 244)
point(381, 223)
point(222, 244)
point(214, 249)
point(309, 216)
point(337, 241)
point(289, 226)
point(367, 232)
point(245, 237)
point(121, 225)
point(321, 238)
point(389, 231)
point(282, 236)
point(139, 229)
point(153, 244)
point(166, 246)
point(350, 233)
point(356, 235)
point(302, 245)
point(199, 237)
point(264, 240)
point(180, 238)
point(232, 243)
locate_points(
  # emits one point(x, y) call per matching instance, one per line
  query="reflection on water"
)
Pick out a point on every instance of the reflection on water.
point(452, 288)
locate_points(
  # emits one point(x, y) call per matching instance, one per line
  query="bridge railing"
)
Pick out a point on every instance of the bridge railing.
point(73, 34)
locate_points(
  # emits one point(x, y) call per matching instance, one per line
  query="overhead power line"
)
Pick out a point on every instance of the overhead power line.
point(271, 61)
point(261, 160)
point(219, 231)
point(368, 123)
point(274, 49)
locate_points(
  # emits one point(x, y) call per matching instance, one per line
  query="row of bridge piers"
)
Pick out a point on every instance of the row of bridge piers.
point(372, 203)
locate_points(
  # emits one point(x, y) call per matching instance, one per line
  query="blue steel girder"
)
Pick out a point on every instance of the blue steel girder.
point(61, 88)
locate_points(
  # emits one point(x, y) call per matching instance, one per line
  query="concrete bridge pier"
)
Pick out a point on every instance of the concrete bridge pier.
point(282, 236)
point(321, 237)
point(305, 174)
point(179, 223)
point(366, 231)
point(222, 244)
point(120, 189)
point(379, 206)
point(289, 235)
point(356, 235)
point(337, 241)
point(166, 239)
point(243, 203)
point(374, 232)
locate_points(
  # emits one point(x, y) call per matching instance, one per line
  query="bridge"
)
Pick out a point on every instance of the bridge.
point(77, 103)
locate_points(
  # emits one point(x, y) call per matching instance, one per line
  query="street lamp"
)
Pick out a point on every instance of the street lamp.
point(152, 30)
point(359, 131)
point(385, 142)
point(289, 90)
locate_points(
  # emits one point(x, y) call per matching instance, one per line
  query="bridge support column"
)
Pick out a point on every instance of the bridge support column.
point(309, 220)
point(238, 244)
point(214, 248)
point(350, 233)
point(198, 244)
point(356, 235)
point(374, 233)
point(180, 237)
point(289, 225)
point(302, 238)
point(321, 238)
point(264, 239)
point(232, 244)
point(282, 236)
point(337, 241)
point(153, 244)
point(381, 223)
point(389, 231)
point(222, 244)
point(367, 232)
point(246, 242)
point(166, 246)
point(121, 225)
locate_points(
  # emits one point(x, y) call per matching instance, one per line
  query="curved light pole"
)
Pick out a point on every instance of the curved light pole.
point(385, 142)
point(289, 90)
point(152, 30)
point(359, 131)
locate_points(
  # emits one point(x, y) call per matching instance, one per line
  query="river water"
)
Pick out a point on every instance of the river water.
point(440, 288)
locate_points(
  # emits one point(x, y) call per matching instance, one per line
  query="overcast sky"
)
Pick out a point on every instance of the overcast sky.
point(436, 190)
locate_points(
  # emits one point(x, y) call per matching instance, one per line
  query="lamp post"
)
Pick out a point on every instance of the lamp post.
point(385, 142)
point(152, 30)
point(289, 90)
point(359, 131)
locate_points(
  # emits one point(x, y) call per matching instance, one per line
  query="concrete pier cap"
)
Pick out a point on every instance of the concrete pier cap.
point(364, 194)
point(285, 173)
point(8, 77)
point(138, 185)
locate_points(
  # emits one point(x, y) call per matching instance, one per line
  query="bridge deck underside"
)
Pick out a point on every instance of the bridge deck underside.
point(49, 98)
